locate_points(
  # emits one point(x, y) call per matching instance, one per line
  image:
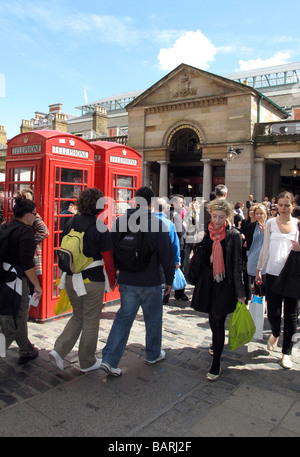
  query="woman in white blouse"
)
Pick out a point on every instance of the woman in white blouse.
point(281, 236)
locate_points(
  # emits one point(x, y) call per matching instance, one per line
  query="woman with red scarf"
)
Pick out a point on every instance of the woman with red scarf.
point(220, 283)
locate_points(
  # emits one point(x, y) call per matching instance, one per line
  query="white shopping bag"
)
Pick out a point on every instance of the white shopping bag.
point(257, 311)
point(34, 300)
point(2, 345)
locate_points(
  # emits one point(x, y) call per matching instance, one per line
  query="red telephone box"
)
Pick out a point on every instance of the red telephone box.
point(118, 173)
point(57, 166)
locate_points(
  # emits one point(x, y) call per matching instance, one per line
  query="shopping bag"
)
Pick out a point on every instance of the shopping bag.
point(241, 327)
point(63, 305)
point(179, 281)
point(257, 311)
point(2, 345)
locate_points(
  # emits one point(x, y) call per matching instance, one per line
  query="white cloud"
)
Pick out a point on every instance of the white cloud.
point(192, 48)
point(278, 59)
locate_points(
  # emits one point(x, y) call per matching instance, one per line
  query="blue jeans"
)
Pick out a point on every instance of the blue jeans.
point(132, 297)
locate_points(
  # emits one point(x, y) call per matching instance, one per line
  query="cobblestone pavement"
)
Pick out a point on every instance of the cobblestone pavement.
point(253, 397)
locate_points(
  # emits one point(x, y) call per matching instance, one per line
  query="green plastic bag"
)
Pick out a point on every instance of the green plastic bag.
point(241, 327)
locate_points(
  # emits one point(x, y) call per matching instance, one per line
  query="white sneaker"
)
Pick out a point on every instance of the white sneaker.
point(161, 356)
point(286, 362)
point(56, 360)
point(110, 370)
point(213, 377)
point(96, 366)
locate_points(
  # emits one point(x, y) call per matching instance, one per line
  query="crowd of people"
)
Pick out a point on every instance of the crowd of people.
point(243, 250)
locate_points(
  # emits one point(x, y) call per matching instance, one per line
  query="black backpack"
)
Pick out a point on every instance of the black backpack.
point(5, 231)
point(10, 300)
point(131, 250)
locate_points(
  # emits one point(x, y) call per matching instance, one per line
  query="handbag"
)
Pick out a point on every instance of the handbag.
point(196, 262)
point(241, 327)
point(287, 283)
point(257, 311)
point(179, 281)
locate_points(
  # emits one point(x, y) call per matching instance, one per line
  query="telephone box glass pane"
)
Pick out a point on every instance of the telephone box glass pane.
point(19, 178)
point(22, 174)
point(67, 191)
point(123, 192)
point(68, 175)
point(122, 207)
point(124, 181)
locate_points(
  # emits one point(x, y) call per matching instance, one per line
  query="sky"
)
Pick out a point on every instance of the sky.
point(70, 52)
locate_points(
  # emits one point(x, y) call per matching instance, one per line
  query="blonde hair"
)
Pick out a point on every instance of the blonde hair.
point(263, 208)
point(221, 204)
point(25, 193)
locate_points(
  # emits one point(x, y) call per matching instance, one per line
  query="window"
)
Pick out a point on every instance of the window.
point(124, 188)
point(19, 178)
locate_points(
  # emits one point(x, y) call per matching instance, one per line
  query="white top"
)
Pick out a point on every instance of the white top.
point(276, 247)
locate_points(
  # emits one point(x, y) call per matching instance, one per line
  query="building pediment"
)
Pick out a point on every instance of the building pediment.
point(187, 84)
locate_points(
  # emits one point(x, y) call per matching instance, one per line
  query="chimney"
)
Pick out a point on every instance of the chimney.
point(26, 126)
point(55, 108)
point(39, 115)
point(100, 120)
point(3, 138)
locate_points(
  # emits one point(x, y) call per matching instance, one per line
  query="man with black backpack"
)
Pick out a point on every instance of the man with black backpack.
point(16, 269)
point(143, 238)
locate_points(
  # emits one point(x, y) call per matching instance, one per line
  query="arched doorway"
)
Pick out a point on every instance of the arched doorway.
point(185, 170)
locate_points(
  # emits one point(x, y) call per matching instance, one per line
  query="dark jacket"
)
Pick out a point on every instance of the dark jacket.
point(232, 285)
point(249, 234)
point(22, 246)
point(162, 253)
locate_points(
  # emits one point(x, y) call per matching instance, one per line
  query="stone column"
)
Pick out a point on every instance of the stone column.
point(259, 179)
point(207, 178)
point(146, 173)
point(225, 163)
point(163, 178)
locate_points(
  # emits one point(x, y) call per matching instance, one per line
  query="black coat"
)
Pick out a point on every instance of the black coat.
point(220, 298)
point(249, 234)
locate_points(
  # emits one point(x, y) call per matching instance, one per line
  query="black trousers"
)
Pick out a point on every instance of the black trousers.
point(290, 311)
point(217, 325)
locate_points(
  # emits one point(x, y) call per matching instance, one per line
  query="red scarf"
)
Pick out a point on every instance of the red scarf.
point(217, 235)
